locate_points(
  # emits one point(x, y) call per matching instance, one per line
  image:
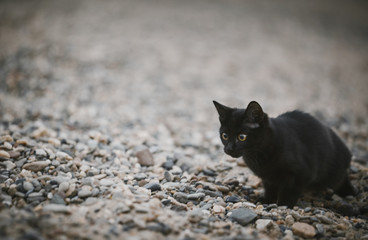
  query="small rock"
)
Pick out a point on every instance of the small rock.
point(254, 181)
point(168, 176)
point(209, 172)
point(84, 192)
point(145, 157)
point(140, 176)
point(196, 196)
point(242, 216)
point(181, 197)
point(106, 182)
point(168, 164)
point(28, 186)
point(14, 154)
point(64, 186)
point(54, 141)
point(71, 190)
point(218, 209)
point(288, 235)
point(56, 208)
point(7, 146)
point(232, 199)
point(36, 166)
point(57, 199)
point(9, 165)
point(176, 170)
point(320, 229)
point(6, 138)
point(4, 154)
point(325, 219)
point(153, 186)
point(63, 156)
point(303, 230)
point(264, 224)
point(41, 153)
point(289, 220)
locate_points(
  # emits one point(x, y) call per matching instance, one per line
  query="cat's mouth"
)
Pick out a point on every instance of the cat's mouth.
point(233, 154)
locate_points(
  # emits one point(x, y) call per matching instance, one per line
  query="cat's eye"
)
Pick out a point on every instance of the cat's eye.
point(224, 136)
point(242, 137)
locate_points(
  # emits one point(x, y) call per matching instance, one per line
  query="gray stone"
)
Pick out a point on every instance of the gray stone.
point(41, 153)
point(9, 165)
point(243, 216)
point(106, 182)
point(28, 186)
point(64, 186)
point(56, 208)
point(168, 176)
point(57, 199)
point(84, 192)
point(196, 196)
point(4, 154)
point(140, 176)
point(36, 166)
point(145, 157)
point(60, 179)
point(181, 197)
point(153, 186)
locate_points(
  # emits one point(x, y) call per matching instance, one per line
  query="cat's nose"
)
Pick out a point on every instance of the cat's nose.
point(229, 148)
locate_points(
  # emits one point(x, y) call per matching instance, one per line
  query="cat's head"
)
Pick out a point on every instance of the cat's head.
point(240, 128)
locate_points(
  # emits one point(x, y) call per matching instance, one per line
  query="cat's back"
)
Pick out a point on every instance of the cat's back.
point(297, 126)
point(298, 120)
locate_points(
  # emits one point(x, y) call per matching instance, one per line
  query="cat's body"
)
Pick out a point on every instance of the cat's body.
point(291, 153)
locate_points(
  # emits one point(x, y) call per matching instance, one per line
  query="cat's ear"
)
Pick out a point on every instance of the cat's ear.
point(222, 110)
point(254, 112)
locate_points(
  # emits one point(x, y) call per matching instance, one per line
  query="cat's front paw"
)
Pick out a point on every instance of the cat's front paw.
point(265, 200)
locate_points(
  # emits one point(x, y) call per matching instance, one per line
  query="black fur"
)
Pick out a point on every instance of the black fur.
point(292, 153)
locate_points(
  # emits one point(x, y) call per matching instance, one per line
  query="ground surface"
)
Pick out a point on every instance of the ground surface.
point(89, 90)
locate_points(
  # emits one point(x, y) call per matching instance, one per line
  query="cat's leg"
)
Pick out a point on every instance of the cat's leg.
point(270, 193)
point(346, 188)
point(288, 194)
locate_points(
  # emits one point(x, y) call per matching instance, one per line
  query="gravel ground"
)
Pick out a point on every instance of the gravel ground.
point(108, 130)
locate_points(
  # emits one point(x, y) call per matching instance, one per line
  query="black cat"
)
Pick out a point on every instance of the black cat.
point(292, 153)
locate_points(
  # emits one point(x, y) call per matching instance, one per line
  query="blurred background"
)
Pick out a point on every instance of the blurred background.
point(163, 62)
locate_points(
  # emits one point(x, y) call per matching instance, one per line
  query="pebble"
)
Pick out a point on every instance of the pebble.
point(54, 141)
point(57, 208)
point(63, 156)
point(176, 170)
point(145, 157)
point(57, 199)
point(289, 220)
point(64, 186)
point(28, 186)
point(181, 197)
point(41, 153)
point(153, 186)
point(4, 154)
point(7, 146)
point(168, 176)
point(9, 165)
point(216, 208)
point(106, 182)
point(84, 193)
point(196, 196)
point(243, 216)
point(140, 176)
point(303, 230)
point(264, 224)
point(320, 229)
point(232, 199)
point(36, 166)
